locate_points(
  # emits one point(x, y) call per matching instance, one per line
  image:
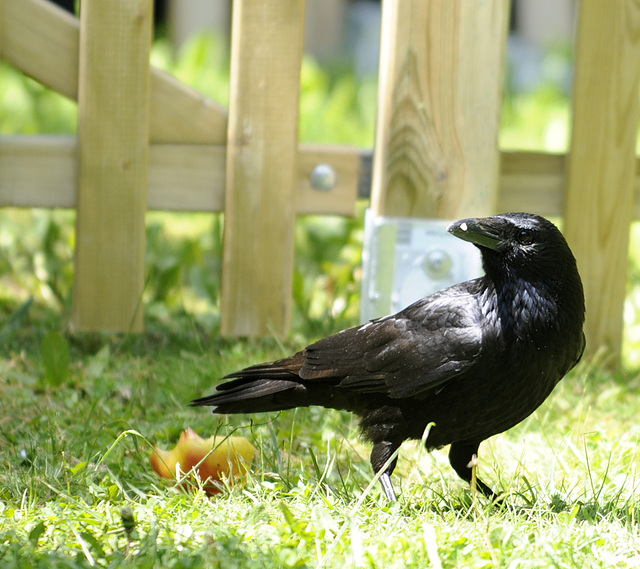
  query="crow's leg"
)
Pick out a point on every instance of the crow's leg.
point(385, 480)
point(461, 456)
point(380, 453)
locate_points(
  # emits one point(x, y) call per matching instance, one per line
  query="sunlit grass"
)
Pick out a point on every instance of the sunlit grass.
point(72, 457)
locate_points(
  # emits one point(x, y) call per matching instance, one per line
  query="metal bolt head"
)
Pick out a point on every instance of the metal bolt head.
point(323, 177)
point(437, 263)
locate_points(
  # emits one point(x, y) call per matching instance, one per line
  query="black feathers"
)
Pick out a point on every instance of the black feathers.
point(475, 359)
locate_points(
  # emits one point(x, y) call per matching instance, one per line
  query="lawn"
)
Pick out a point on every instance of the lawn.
point(74, 457)
point(80, 413)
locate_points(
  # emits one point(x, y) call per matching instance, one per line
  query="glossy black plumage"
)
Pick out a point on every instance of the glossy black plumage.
point(474, 359)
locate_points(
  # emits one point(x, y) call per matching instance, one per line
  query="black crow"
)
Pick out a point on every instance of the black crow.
point(474, 359)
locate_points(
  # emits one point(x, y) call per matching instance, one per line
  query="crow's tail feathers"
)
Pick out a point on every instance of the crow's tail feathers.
point(255, 396)
point(264, 387)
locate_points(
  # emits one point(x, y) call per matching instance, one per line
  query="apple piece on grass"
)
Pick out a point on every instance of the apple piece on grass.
point(214, 458)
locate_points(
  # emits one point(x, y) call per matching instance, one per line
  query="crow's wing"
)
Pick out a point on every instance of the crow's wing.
point(423, 346)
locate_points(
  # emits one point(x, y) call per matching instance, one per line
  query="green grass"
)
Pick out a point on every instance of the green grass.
point(72, 456)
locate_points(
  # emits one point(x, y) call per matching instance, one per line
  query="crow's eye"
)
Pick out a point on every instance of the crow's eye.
point(525, 236)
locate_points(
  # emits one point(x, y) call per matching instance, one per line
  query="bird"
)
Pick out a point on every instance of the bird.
point(469, 361)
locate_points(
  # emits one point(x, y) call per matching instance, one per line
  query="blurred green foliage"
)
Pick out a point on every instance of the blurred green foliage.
point(29, 108)
point(537, 118)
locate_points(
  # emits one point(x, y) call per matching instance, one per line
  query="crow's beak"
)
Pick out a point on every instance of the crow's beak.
point(480, 231)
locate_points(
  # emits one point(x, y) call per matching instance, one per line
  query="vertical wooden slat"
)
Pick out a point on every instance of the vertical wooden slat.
point(261, 167)
point(113, 132)
point(441, 77)
point(600, 171)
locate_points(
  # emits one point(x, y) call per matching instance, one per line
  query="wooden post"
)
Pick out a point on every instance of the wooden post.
point(441, 78)
point(113, 132)
point(267, 38)
point(601, 165)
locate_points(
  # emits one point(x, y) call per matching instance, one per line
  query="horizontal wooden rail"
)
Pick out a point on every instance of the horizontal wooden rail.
point(40, 171)
point(531, 181)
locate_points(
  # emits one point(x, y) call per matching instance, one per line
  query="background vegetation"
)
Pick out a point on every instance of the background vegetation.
point(80, 412)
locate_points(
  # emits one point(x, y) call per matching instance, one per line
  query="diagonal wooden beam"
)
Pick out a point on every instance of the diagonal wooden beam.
point(43, 41)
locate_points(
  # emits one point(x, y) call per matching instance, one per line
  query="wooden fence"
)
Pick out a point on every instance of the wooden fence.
point(145, 141)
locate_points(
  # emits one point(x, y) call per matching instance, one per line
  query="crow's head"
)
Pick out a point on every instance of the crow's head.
point(518, 244)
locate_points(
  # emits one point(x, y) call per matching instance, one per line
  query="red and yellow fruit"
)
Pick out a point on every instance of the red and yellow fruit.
point(213, 459)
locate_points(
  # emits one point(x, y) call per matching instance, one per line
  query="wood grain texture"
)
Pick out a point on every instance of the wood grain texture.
point(113, 142)
point(341, 199)
point(180, 114)
point(531, 181)
point(38, 171)
point(440, 94)
point(41, 171)
point(260, 207)
point(601, 165)
point(43, 41)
